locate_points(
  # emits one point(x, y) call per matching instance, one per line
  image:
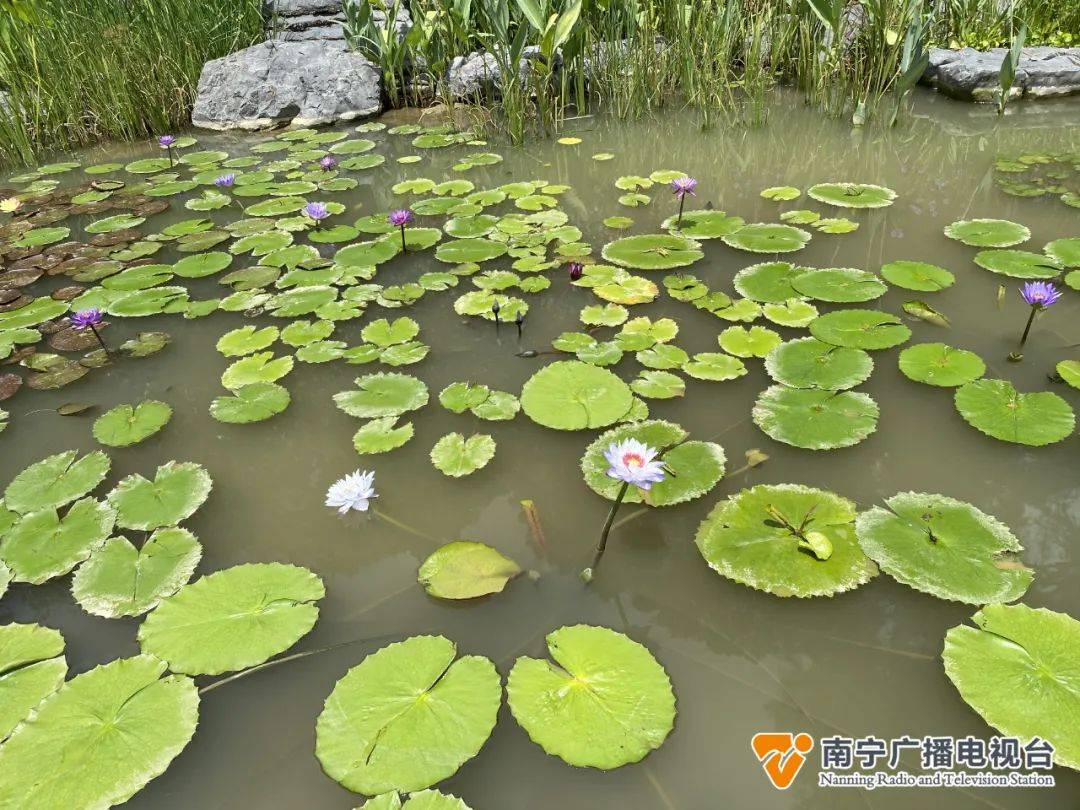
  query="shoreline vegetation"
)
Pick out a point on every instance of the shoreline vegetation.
point(72, 76)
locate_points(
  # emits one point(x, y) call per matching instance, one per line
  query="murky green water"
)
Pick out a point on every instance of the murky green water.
point(866, 662)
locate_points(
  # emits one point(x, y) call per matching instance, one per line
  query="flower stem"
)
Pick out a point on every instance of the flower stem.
point(400, 525)
point(97, 334)
point(590, 572)
point(403, 248)
point(1018, 355)
point(682, 202)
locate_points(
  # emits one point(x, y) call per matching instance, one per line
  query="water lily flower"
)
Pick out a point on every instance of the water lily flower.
point(635, 464)
point(10, 205)
point(353, 492)
point(495, 311)
point(576, 270)
point(225, 181)
point(328, 162)
point(90, 319)
point(166, 142)
point(316, 211)
point(399, 218)
point(519, 320)
point(1038, 295)
point(683, 186)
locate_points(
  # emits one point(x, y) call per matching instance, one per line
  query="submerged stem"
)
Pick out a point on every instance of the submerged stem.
point(393, 521)
point(589, 572)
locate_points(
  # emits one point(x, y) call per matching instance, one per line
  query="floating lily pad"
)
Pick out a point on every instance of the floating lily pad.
point(234, 618)
point(1065, 252)
point(407, 717)
point(118, 222)
point(1016, 670)
point(178, 489)
point(765, 237)
point(571, 395)
point(997, 409)
point(940, 364)
point(810, 363)
point(261, 367)
point(860, 329)
point(253, 402)
point(1069, 371)
point(383, 333)
point(767, 282)
point(714, 366)
point(781, 193)
point(944, 547)
point(654, 384)
point(852, 195)
point(121, 580)
point(100, 738)
point(466, 570)
point(43, 545)
point(835, 225)
point(694, 467)
point(55, 481)
point(844, 285)
point(458, 251)
point(757, 341)
point(652, 251)
point(988, 233)
point(499, 406)
point(1018, 263)
point(382, 435)
point(703, 224)
point(39, 237)
point(787, 540)
point(813, 419)
point(421, 800)
point(383, 394)
point(246, 340)
point(455, 456)
point(125, 425)
point(32, 667)
point(917, 276)
point(605, 703)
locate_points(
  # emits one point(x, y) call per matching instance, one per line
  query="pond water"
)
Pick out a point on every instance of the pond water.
point(741, 661)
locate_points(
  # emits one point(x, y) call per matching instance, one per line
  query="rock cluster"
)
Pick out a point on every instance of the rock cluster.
point(973, 75)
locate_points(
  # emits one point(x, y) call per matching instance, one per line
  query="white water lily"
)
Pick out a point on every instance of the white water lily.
point(354, 491)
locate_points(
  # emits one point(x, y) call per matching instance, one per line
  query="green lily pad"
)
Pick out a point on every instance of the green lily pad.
point(32, 667)
point(571, 395)
point(39, 237)
point(605, 703)
point(655, 384)
point(714, 366)
point(101, 738)
point(383, 333)
point(1069, 371)
point(781, 193)
point(458, 251)
point(652, 252)
point(757, 341)
point(407, 717)
point(765, 237)
point(810, 363)
point(769, 282)
point(997, 409)
point(787, 540)
point(988, 233)
point(253, 402)
point(455, 456)
point(940, 364)
point(813, 419)
point(835, 225)
point(498, 407)
point(603, 315)
point(42, 545)
point(466, 570)
point(917, 276)
point(703, 224)
point(383, 394)
point(1065, 252)
point(860, 329)
point(254, 368)
point(118, 222)
point(1018, 263)
point(55, 481)
point(126, 425)
point(121, 580)
point(382, 435)
point(944, 547)
point(663, 356)
point(178, 489)
point(246, 340)
point(852, 195)
point(694, 467)
point(233, 619)
point(301, 333)
point(1016, 670)
point(843, 285)
point(37, 311)
point(421, 800)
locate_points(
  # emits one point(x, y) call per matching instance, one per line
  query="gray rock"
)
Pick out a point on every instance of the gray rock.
point(330, 30)
point(972, 75)
point(478, 75)
point(275, 83)
point(299, 20)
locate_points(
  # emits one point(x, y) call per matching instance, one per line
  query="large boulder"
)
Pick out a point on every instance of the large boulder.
point(973, 75)
point(274, 83)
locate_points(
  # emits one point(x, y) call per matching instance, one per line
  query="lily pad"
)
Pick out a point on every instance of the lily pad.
point(860, 329)
point(757, 341)
point(988, 233)
point(32, 667)
point(765, 237)
point(714, 366)
point(383, 333)
point(703, 224)
point(55, 481)
point(42, 545)
point(654, 384)
point(255, 368)
point(652, 252)
point(407, 717)
point(813, 419)
point(571, 395)
point(253, 402)
point(769, 282)
point(246, 340)
point(382, 435)
point(1018, 263)
point(944, 547)
point(997, 409)
point(126, 425)
point(101, 738)
point(843, 285)
point(781, 193)
point(234, 618)
point(940, 364)
point(455, 456)
point(119, 222)
point(787, 540)
point(605, 703)
point(919, 276)
point(466, 570)
point(121, 580)
point(1065, 252)
point(383, 394)
point(852, 195)
point(178, 489)
point(1016, 669)
point(810, 363)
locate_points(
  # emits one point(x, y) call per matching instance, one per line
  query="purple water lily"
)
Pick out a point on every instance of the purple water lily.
point(225, 181)
point(633, 463)
point(576, 270)
point(317, 212)
point(90, 319)
point(1038, 295)
point(400, 218)
point(328, 162)
point(683, 186)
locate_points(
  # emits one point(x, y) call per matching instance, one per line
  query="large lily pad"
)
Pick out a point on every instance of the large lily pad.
point(178, 489)
point(43, 545)
point(852, 195)
point(465, 569)
point(940, 364)
point(121, 580)
point(55, 481)
point(813, 419)
point(455, 456)
point(860, 329)
point(383, 394)
point(842, 285)
point(810, 363)
point(944, 547)
point(997, 409)
point(766, 237)
point(246, 340)
point(251, 403)
point(768, 282)
point(693, 467)
point(1018, 263)
point(786, 539)
point(32, 667)
point(919, 276)
point(1018, 671)
point(571, 395)
point(234, 618)
point(988, 233)
point(407, 716)
point(125, 425)
point(99, 739)
point(703, 224)
point(606, 702)
point(262, 367)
